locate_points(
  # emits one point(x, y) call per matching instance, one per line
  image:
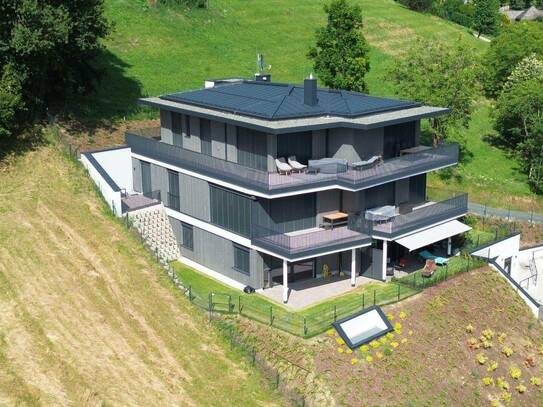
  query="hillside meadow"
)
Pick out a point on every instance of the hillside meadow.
point(155, 50)
point(86, 316)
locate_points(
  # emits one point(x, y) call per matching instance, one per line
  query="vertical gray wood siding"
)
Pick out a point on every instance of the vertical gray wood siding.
point(166, 126)
point(217, 253)
point(194, 197)
point(159, 181)
point(286, 214)
point(251, 149)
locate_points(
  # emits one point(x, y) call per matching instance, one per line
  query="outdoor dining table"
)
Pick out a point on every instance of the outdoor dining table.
point(335, 218)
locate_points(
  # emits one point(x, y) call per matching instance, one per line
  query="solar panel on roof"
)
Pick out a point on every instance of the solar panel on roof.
point(274, 101)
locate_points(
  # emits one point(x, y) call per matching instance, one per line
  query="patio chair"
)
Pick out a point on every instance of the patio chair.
point(358, 165)
point(296, 166)
point(282, 166)
point(429, 268)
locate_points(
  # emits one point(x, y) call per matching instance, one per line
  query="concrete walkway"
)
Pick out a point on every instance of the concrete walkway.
point(308, 292)
point(484, 210)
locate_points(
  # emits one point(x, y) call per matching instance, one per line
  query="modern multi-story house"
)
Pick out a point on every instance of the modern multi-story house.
point(237, 207)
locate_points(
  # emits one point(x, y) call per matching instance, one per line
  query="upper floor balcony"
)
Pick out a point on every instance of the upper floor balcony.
point(309, 242)
point(146, 143)
point(410, 218)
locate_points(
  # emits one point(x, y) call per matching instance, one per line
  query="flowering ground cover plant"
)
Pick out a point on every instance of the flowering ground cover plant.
point(436, 354)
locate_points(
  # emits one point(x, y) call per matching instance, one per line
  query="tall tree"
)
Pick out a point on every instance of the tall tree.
point(487, 16)
point(439, 75)
point(514, 43)
point(519, 118)
point(47, 50)
point(341, 54)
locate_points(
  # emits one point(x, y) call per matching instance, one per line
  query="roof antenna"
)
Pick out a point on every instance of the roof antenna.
point(260, 67)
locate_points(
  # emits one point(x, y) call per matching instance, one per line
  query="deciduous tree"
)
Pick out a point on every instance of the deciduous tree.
point(341, 53)
point(514, 43)
point(486, 17)
point(439, 75)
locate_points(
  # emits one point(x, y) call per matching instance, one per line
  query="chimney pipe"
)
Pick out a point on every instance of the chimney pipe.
point(310, 91)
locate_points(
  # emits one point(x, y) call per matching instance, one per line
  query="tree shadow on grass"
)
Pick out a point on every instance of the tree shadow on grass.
point(116, 97)
point(29, 139)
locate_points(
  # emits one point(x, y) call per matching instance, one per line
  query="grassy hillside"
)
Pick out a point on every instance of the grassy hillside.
point(431, 358)
point(159, 50)
point(86, 317)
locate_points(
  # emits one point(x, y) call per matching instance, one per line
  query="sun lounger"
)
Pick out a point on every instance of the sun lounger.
point(296, 166)
point(282, 166)
point(367, 163)
point(426, 255)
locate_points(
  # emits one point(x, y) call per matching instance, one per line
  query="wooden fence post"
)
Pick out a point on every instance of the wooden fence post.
point(271, 315)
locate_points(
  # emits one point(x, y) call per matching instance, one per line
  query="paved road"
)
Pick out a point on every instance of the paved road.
point(505, 213)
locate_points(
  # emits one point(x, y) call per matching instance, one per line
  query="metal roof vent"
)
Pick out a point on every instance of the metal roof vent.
point(310, 91)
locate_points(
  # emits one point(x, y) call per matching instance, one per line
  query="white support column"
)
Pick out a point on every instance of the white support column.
point(385, 255)
point(353, 267)
point(449, 246)
point(285, 281)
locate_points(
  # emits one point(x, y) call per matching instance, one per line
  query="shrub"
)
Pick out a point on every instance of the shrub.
point(492, 366)
point(505, 396)
point(469, 328)
point(488, 381)
point(502, 383)
point(481, 358)
point(417, 5)
point(387, 351)
point(515, 372)
point(487, 334)
point(507, 351)
point(501, 338)
point(369, 359)
point(521, 388)
point(536, 381)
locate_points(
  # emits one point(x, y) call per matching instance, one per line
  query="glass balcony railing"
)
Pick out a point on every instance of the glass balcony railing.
point(307, 242)
point(411, 219)
point(145, 143)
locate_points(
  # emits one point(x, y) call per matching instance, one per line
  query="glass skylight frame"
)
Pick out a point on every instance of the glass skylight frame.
point(342, 329)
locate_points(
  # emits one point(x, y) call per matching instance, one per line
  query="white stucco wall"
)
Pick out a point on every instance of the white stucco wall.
point(112, 197)
point(118, 164)
point(502, 250)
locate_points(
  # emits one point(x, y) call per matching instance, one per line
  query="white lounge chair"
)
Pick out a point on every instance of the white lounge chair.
point(282, 166)
point(367, 163)
point(296, 166)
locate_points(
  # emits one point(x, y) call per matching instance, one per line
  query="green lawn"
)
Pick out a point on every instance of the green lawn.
point(158, 50)
point(317, 317)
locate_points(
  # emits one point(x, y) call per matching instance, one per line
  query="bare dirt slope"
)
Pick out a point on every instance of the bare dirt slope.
point(86, 317)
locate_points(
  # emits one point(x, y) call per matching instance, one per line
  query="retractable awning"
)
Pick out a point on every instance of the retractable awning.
point(433, 234)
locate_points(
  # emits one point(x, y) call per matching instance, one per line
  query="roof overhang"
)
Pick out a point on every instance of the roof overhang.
point(434, 234)
point(301, 124)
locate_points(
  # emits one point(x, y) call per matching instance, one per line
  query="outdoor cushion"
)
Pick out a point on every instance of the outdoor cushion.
point(295, 164)
point(328, 165)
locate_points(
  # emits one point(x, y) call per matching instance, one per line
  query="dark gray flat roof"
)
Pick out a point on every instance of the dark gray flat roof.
point(277, 101)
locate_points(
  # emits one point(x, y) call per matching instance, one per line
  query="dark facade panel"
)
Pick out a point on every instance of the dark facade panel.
point(285, 215)
point(252, 147)
point(230, 210)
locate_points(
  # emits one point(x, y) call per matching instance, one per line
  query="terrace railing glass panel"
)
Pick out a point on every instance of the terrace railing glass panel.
point(307, 243)
point(143, 143)
point(424, 216)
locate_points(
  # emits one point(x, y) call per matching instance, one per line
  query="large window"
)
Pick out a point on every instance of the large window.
point(173, 190)
point(146, 178)
point(205, 136)
point(252, 149)
point(295, 144)
point(230, 210)
point(177, 129)
point(187, 236)
point(241, 259)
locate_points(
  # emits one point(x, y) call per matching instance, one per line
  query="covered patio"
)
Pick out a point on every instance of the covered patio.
point(301, 294)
